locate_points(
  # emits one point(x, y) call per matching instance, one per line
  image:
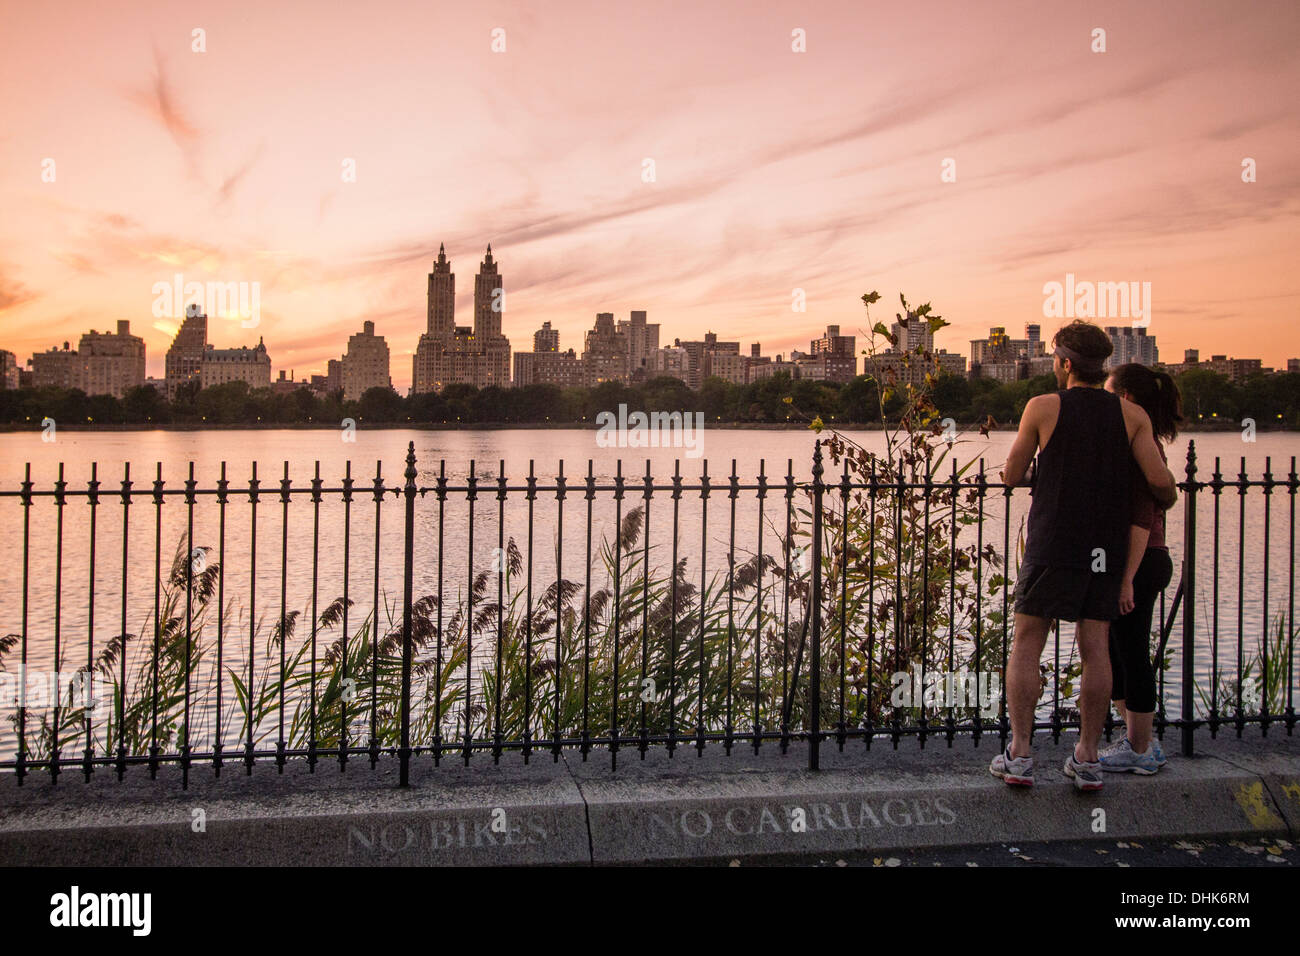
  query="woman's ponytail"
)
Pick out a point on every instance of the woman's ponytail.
point(1169, 406)
point(1156, 393)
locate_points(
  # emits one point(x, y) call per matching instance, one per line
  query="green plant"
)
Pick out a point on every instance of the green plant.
point(1262, 679)
point(905, 586)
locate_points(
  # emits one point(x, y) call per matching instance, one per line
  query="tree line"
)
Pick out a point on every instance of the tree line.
point(1208, 398)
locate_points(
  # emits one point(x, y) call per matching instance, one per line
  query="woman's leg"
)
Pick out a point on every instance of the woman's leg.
point(1135, 648)
point(1139, 729)
point(1116, 672)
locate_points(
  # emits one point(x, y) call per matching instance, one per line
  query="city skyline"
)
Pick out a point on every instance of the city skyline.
point(1115, 167)
point(626, 351)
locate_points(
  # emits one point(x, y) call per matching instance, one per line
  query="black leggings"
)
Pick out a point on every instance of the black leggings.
point(1133, 678)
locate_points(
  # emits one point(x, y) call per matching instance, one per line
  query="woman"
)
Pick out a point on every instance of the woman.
point(1146, 574)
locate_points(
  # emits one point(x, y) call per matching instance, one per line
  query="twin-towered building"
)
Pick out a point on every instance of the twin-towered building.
point(450, 354)
point(624, 350)
point(613, 350)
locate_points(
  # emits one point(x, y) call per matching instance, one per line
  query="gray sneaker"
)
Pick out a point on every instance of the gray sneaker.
point(1116, 747)
point(1124, 759)
point(1086, 776)
point(1014, 771)
point(1123, 745)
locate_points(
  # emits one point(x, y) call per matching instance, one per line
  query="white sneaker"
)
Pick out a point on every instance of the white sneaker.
point(1014, 771)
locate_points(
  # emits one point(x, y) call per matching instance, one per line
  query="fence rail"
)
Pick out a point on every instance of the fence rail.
point(791, 639)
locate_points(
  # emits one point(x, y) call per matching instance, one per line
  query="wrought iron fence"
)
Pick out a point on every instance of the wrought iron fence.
point(891, 565)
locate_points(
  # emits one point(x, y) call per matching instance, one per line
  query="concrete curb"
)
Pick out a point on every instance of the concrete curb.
point(684, 808)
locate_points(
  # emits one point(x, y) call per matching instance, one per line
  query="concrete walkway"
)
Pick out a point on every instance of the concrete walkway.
point(670, 810)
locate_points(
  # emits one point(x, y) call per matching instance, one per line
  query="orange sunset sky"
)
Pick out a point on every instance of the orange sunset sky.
point(774, 170)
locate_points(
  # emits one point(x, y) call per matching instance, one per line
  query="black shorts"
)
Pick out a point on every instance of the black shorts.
point(1067, 594)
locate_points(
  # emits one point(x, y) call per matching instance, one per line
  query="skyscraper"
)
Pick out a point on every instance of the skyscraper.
point(442, 299)
point(105, 363)
point(186, 352)
point(10, 373)
point(642, 340)
point(1131, 345)
point(700, 356)
point(910, 334)
point(834, 357)
point(1034, 336)
point(365, 364)
point(604, 352)
point(111, 362)
point(489, 300)
point(546, 339)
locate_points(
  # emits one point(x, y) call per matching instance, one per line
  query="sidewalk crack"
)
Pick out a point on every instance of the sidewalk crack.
point(1263, 780)
point(586, 808)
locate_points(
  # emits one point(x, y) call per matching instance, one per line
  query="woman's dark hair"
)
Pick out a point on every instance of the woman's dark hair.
point(1156, 393)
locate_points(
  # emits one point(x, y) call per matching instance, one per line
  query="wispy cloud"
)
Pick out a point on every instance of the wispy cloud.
point(13, 293)
point(160, 103)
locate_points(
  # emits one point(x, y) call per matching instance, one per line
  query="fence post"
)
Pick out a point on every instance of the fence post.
point(1189, 600)
point(815, 658)
point(408, 565)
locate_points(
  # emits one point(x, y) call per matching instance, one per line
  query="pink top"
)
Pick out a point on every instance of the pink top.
point(1147, 512)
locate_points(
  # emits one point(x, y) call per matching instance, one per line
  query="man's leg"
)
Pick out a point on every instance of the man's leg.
point(1024, 681)
point(1094, 687)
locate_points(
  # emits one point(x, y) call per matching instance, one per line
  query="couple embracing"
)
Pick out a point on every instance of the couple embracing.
point(1095, 551)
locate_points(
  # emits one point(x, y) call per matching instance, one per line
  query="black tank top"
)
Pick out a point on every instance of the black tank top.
point(1082, 485)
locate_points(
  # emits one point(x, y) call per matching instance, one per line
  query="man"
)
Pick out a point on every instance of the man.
point(1087, 441)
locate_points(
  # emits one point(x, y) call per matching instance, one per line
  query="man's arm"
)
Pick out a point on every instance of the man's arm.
point(1025, 446)
point(1147, 455)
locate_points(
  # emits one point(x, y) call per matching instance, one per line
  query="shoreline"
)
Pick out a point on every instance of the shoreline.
point(521, 426)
